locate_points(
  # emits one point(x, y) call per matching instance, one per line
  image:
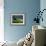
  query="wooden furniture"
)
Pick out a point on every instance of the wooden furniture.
point(39, 35)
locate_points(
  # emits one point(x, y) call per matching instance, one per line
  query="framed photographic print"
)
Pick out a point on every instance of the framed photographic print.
point(17, 19)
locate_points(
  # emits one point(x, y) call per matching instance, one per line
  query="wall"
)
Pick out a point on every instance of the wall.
point(43, 6)
point(28, 8)
point(1, 21)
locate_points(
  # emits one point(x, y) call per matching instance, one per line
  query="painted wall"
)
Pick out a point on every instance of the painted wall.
point(28, 8)
point(43, 6)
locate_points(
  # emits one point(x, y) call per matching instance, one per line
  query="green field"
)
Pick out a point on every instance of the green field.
point(18, 21)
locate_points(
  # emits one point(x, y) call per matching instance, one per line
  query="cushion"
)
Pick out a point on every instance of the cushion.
point(20, 42)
